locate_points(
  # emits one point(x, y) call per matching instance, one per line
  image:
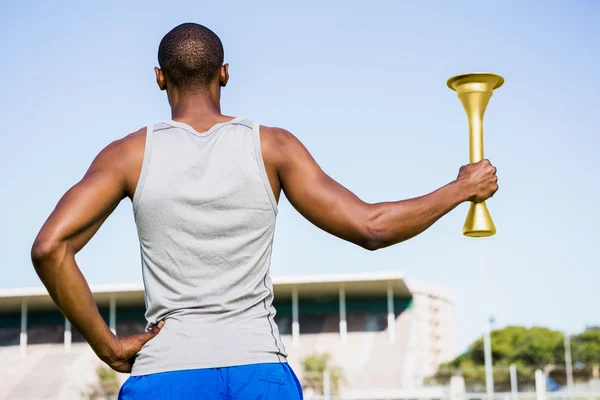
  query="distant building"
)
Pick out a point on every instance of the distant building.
point(383, 331)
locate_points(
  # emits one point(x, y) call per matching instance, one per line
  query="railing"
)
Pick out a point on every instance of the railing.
point(456, 391)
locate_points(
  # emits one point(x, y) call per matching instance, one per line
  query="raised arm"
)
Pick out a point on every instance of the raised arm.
point(76, 218)
point(335, 209)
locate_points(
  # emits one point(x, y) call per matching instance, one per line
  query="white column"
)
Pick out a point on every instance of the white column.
point(326, 385)
point(513, 381)
point(391, 314)
point(68, 336)
point(487, 340)
point(343, 323)
point(295, 323)
point(569, 364)
point(23, 336)
point(487, 355)
point(540, 385)
point(457, 387)
point(112, 317)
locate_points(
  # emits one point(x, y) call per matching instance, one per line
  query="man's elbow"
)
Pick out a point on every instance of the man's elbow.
point(371, 245)
point(44, 250)
point(373, 237)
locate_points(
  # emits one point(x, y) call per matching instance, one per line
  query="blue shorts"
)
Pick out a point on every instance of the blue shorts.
point(269, 381)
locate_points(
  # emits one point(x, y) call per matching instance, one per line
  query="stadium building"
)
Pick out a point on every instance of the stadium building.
point(385, 333)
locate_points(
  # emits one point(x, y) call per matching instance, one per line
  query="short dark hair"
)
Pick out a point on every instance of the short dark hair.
point(190, 56)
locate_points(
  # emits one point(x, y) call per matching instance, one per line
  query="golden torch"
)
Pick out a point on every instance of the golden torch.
point(474, 91)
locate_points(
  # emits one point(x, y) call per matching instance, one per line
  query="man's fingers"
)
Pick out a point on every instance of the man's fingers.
point(157, 328)
point(123, 367)
point(144, 337)
point(131, 345)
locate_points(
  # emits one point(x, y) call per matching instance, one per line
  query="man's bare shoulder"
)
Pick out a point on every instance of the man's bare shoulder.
point(124, 153)
point(278, 143)
point(134, 141)
point(122, 159)
point(278, 136)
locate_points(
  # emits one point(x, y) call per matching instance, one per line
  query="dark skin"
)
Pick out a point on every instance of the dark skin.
point(114, 173)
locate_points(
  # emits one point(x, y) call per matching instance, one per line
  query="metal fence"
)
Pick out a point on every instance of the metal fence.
point(550, 382)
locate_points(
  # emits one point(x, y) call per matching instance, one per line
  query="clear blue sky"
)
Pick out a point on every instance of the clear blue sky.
point(363, 85)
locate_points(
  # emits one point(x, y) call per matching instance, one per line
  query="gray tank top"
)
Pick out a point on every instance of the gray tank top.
point(205, 214)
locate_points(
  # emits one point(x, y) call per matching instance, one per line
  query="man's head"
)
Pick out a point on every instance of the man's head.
point(190, 57)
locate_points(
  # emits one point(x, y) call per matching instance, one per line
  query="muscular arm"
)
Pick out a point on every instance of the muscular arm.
point(76, 218)
point(335, 209)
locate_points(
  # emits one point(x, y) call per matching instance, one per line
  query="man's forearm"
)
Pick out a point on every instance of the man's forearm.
point(394, 222)
point(57, 269)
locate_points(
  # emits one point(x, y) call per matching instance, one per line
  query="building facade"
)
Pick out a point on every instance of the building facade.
point(382, 331)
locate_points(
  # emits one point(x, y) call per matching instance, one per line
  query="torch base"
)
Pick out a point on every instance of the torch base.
point(479, 222)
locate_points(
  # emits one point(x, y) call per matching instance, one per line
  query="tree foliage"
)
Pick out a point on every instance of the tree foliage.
point(586, 346)
point(527, 348)
point(314, 365)
point(107, 386)
point(533, 346)
point(519, 345)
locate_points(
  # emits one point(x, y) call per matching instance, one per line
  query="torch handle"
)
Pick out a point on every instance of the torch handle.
point(475, 140)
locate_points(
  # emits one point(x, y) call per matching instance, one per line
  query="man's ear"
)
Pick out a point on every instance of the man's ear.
point(224, 75)
point(160, 79)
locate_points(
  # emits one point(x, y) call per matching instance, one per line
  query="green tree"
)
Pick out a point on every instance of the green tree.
point(519, 345)
point(313, 366)
point(528, 348)
point(586, 346)
point(107, 387)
